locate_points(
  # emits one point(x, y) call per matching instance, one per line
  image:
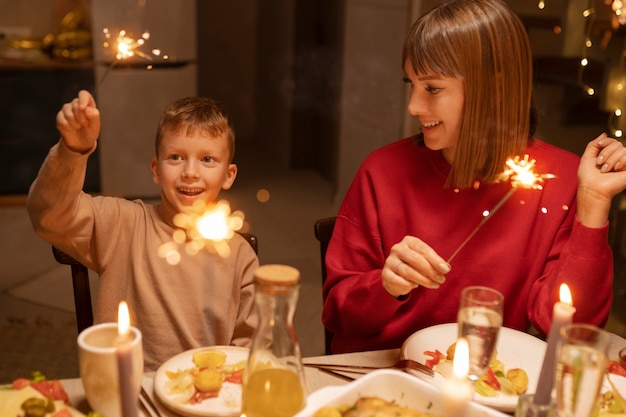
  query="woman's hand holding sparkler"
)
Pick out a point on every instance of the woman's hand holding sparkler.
point(412, 263)
point(601, 176)
point(79, 123)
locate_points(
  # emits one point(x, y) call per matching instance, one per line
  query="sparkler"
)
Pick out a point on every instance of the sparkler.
point(205, 226)
point(520, 173)
point(126, 47)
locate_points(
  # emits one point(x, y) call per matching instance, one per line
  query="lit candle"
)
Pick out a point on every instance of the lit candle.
point(458, 390)
point(562, 314)
point(128, 399)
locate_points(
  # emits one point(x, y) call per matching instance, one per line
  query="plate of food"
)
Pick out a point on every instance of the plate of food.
point(39, 396)
point(385, 392)
point(519, 357)
point(203, 382)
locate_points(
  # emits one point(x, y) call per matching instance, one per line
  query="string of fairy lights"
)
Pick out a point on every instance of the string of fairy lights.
point(615, 88)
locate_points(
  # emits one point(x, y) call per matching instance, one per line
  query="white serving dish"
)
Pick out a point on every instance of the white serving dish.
point(515, 349)
point(390, 385)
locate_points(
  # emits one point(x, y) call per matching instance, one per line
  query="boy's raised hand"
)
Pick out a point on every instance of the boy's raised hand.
point(79, 123)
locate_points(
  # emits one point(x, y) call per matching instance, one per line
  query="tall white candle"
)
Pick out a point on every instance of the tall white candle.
point(458, 390)
point(128, 399)
point(562, 314)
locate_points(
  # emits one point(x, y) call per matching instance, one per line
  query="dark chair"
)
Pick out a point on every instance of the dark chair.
point(82, 291)
point(323, 233)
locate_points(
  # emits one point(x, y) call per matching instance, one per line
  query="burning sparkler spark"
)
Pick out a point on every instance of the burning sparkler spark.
point(126, 47)
point(521, 175)
point(205, 226)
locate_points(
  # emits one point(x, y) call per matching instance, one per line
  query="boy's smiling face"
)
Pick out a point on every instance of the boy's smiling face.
point(191, 165)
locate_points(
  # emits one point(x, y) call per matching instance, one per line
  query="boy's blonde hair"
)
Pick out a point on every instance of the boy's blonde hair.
point(484, 44)
point(191, 113)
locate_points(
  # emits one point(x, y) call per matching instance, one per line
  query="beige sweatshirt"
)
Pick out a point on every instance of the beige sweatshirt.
point(204, 300)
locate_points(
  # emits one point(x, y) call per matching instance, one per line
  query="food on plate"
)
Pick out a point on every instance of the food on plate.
point(370, 406)
point(36, 397)
point(205, 379)
point(614, 367)
point(496, 380)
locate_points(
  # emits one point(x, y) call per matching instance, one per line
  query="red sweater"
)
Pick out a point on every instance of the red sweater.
point(525, 250)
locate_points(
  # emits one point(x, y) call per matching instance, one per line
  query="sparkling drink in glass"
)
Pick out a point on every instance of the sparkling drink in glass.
point(580, 369)
point(480, 319)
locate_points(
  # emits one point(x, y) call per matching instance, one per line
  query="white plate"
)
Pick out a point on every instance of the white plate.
point(515, 349)
point(390, 385)
point(227, 404)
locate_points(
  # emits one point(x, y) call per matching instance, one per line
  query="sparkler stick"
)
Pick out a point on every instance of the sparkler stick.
point(520, 173)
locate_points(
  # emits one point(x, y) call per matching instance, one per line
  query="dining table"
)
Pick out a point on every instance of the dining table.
point(315, 378)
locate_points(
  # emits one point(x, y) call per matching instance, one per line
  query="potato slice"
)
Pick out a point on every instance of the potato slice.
point(211, 359)
point(208, 380)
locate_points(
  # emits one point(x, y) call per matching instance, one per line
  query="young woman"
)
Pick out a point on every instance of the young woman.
point(413, 202)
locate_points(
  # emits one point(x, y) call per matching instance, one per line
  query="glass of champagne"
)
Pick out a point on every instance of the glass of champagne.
point(581, 362)
point(480, 319)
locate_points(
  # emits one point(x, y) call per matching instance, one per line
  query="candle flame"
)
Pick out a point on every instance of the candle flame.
point(565, 295)
point(520, 173)
point(123, 319)
point(460, 364)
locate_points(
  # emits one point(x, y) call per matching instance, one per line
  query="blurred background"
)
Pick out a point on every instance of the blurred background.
point(312, 87)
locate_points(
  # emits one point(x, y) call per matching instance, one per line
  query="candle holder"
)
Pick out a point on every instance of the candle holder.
point(98, 364)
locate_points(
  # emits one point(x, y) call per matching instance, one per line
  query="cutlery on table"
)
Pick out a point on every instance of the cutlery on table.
point(148, 404)
point(403, 365)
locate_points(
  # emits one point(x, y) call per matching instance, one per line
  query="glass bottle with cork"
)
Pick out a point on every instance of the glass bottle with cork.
point(273, 384)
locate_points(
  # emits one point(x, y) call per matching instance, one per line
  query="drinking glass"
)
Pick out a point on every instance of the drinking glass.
point(97, 362)
point(480, 319)
point(581, 362)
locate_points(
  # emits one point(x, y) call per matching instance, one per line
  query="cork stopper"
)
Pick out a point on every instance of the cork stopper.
point(275, 274)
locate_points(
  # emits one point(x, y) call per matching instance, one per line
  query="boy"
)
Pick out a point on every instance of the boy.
point(204, 299)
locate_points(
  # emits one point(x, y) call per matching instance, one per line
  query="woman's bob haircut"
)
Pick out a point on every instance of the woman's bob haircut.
point(484, 44)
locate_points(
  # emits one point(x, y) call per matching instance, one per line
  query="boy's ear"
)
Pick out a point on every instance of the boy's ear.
point(231, 174)
point(154, 167)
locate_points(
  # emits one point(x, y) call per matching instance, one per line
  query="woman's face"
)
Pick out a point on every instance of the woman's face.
point(437, 101)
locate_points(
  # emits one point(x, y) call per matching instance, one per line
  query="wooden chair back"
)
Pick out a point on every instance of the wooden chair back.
point(323, 232)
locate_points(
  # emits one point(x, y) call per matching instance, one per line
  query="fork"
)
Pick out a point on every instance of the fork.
point(403, 365)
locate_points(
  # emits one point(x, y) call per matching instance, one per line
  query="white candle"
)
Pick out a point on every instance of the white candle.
point(458, 390)
point(128, 399)
point(562, 314)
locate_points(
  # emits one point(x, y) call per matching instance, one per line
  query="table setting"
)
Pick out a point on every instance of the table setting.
point(438, 371)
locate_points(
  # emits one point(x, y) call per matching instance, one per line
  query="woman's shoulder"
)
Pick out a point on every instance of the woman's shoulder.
point(410, 147)
point(551, 159)
point(542, 149)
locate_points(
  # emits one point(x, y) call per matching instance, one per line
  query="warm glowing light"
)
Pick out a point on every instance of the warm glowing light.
point(618, 112)
point(587, 12)
point(618, 133)
point(460, 364)
point(588, 43)
point(123, 319)
point(584, 62)
point(263, 195)
point(541, 5)
point(565, 295)
point(520, 173)
point(203, 227)
point(126, 46)
point(590, 91)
